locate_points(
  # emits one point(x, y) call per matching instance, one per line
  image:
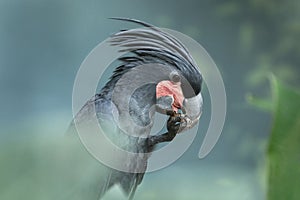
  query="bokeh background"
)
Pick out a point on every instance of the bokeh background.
point(42, 44)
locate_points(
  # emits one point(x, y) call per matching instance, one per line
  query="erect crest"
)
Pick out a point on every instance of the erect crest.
point(152, 45)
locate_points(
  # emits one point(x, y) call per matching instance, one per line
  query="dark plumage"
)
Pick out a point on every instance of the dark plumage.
point(142, 46)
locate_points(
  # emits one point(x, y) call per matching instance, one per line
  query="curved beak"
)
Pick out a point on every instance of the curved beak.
point(192, 109)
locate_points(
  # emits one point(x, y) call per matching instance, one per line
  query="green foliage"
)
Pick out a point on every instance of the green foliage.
point(284, 145)
point(283, 155)
point(263, 104)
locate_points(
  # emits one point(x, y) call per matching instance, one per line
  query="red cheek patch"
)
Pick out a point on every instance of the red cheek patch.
point(169, 88)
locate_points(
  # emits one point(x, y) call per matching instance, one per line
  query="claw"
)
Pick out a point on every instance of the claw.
point(177, 123)
point(174, 123)
point(171, 112)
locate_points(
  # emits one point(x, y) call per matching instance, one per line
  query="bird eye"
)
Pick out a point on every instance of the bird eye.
point(174, 76)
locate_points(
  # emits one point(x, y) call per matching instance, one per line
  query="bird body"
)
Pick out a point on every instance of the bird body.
point(133, 92)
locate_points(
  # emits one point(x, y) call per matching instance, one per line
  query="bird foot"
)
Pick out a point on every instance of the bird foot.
point(175, 123)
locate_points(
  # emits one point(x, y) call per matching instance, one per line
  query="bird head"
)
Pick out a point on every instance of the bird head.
point(167, 65)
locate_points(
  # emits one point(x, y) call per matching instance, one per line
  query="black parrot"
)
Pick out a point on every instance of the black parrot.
point(172, 87)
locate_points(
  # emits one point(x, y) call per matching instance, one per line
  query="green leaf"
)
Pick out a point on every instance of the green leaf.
point(284, 145)
point(262, 104)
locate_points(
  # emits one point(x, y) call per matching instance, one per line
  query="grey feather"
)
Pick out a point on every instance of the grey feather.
point(144, 46)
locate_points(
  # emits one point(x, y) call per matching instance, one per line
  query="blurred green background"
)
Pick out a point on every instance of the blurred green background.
point(42, 44)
